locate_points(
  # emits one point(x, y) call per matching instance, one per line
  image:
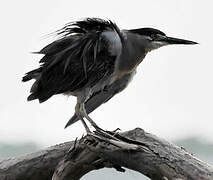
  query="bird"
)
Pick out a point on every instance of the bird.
point(93, 60)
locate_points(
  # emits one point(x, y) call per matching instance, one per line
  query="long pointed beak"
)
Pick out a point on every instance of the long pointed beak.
point(171, 40)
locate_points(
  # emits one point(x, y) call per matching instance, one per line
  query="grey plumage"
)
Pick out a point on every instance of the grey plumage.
point(93, 60)
point(103, 96)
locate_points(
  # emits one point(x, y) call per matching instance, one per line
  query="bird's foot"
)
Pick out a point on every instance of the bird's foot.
point(106, 134)
point(98, 131)
point(115, 142)
point(114, 132)
point(85, 125)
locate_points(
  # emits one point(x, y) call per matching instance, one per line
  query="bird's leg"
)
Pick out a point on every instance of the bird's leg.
point(84, 113)
point(85, 125)
point(81, 116)
point(81, 112)
point(98, 129)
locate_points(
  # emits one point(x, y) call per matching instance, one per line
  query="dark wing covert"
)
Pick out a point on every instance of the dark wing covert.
point(81, 57)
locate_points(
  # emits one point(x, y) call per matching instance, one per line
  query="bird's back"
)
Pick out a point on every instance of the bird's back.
point(80, 58)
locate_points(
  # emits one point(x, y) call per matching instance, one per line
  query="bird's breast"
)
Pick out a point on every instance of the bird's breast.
point(126, 65)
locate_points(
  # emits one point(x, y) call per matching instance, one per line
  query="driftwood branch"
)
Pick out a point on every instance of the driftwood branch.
point(136, 150)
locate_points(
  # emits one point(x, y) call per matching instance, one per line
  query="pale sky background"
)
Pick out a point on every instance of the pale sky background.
point(170, 96)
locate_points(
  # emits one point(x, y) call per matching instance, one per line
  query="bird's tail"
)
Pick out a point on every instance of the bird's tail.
point(72, 120)
point(36, 89)
point(34, 74)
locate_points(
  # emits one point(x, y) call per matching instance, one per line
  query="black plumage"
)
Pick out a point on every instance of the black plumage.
point(147, 31)
point(78, 59)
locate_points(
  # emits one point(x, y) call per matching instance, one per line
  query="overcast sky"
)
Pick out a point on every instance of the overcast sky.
point(170, 96)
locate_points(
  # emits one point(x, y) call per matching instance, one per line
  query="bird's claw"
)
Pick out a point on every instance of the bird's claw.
point(116, 142)
point(106, 134)
point(117, 129)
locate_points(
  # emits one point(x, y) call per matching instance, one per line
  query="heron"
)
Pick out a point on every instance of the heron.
point(93, 60)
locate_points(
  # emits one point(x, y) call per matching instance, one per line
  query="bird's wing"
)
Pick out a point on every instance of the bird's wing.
point(84, 55)
point(101, 97)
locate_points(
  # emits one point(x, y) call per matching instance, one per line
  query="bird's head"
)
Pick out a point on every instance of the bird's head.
point(155, 38)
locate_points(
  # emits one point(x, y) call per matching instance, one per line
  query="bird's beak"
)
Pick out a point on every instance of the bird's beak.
point(171, 40)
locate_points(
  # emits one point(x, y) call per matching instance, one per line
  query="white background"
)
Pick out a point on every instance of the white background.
point(170, 96)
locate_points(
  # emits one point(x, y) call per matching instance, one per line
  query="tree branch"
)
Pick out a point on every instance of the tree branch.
point(136, 150)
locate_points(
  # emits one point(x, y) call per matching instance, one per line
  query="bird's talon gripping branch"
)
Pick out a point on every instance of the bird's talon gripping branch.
point(106, 134)
point(116, 142)
point(116, 130)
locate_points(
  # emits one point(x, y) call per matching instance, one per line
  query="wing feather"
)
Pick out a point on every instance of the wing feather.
point(81, 58)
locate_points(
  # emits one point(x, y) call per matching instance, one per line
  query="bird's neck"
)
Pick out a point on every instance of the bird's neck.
point(133, 53)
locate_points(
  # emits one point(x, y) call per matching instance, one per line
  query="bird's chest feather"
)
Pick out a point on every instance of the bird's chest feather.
point(127, 64)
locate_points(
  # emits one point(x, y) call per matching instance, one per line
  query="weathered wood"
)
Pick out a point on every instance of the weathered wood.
point(35, 166)
point(145, 153)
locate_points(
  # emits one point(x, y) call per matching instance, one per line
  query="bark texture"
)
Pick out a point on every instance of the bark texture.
point(135, 149)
